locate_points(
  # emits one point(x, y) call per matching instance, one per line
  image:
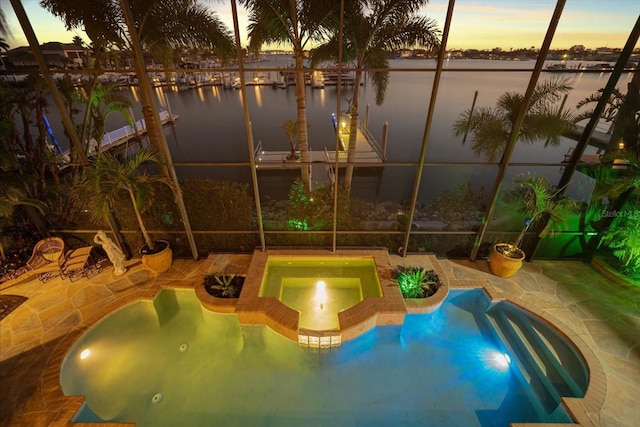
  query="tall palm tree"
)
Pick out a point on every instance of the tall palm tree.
point(110, 176)
point(3, 23)
point(490, 127)
point(162, 25)
point(372, 29)
point(299, 23)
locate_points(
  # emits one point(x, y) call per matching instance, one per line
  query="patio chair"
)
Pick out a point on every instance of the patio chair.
point(47, 258)
point(82, 262)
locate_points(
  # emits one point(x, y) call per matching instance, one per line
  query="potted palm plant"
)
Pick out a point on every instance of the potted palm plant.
point(110, 176)
point(540, 202)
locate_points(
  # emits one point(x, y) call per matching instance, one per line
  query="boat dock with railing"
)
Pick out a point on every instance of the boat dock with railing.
point(323, 162)
point(118, 137)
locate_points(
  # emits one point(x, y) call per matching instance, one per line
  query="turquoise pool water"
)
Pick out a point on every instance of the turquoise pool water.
point(171, 363)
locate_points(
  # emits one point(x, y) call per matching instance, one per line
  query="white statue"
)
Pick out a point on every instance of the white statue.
point(115, 254)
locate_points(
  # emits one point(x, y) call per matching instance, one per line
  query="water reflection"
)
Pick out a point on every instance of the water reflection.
point(258, 90)
point(216, 93)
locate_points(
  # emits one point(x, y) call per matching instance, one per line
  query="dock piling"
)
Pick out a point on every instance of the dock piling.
point(385, 130)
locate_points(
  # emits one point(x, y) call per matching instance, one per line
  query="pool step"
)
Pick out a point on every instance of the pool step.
point(548, 364)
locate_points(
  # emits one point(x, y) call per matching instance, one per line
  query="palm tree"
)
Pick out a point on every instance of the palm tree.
point(109, 176)
point(14, 184)
point(11, 196)
point(622, 111)
point(290, 127)
point(102, 101)
point(77, 40)
point(162, 25)
point(3, 23)
point(490, 127)
point(371, 30)
point(298, 23)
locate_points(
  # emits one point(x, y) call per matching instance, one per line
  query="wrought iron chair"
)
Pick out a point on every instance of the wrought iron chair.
point(82, 262)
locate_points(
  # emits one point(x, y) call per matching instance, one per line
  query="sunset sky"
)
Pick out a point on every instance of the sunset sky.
point(476, 24)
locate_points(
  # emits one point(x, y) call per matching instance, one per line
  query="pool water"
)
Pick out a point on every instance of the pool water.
point(169, 362)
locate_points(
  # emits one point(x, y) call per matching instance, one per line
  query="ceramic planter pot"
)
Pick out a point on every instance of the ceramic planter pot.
point(502, 265)
point(160, 261)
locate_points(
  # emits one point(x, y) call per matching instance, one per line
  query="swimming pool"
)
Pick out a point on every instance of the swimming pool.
point(169, 362)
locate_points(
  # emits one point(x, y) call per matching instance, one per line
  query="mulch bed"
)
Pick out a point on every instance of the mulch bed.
point(8, 303)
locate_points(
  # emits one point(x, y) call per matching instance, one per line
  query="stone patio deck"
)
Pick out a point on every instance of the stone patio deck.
point(602, 315)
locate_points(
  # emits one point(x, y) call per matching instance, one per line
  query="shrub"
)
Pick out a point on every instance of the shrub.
point(416, 282)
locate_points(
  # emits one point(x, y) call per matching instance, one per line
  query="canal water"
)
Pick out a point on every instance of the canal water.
point(211, 124)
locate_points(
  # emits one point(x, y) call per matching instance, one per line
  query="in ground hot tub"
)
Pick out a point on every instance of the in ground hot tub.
point(320, 299)
point(320, 288)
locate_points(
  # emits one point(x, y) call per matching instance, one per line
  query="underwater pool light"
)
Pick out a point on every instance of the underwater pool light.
point(499, 361)
point(321, 293)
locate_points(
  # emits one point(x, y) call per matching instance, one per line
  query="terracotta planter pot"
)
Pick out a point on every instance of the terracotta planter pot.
point(158, 262)
point(502, 265)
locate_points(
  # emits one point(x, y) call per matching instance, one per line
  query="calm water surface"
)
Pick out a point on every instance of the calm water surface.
point(211, 125)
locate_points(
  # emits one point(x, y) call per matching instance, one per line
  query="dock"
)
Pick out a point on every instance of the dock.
point(601, 137)
point(118, 137)
point(323, 161)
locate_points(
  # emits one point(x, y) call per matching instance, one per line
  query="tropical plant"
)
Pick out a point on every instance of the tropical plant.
point(624, 240)
point(110, 176)
point(161, 27)
point(542, 206)
point(298, 23)
point(622, 111)
point(101, 101)
point(416, 282)
point(11, 197)
point(290, 127)
point(490, 128)
point(224, 285)
point(3, 23)
point(314, 210)
point(372, 29)
point(463, 204)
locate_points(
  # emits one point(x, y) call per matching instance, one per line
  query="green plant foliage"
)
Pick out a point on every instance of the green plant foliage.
point(623, 236)
point(228, 285)
point(218, 205)
point(540, 203)
point(416, 282)
point(314, 210)
point(464, 204)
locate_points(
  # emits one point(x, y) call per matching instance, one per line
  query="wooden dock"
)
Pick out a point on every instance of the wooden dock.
point(323, 161)
point(600, 136)
point(126, 133)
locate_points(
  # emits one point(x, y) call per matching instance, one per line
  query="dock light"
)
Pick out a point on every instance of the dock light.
point(85, 353)
point(621, 145)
